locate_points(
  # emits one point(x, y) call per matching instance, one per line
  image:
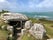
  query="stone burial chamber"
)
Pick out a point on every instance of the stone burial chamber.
point(15, 21)
point(18, 25)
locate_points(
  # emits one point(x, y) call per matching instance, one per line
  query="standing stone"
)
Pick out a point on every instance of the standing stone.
point(10, 28)
point(38, 31)
point(23, 31)
point(28, 24)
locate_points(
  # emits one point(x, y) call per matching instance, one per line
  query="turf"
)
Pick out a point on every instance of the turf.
point(3, 35)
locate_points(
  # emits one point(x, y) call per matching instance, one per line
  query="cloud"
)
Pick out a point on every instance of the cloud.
point(26, 5)
point(5, 4)
point(2, 0)
point(46, 5)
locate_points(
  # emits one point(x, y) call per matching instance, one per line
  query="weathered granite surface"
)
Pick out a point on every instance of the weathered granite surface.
point(14, 16)
point(28, 24)
point(38, 31)
point(10, 28)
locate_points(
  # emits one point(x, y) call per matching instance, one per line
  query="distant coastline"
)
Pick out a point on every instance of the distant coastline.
point(46, 15)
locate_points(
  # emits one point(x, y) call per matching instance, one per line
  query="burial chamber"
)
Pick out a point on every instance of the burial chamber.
point(16, 20)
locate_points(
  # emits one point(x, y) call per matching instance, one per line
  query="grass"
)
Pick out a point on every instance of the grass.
point(3, 35)
point(49, 30)
point(48, 26)
point(27, 36)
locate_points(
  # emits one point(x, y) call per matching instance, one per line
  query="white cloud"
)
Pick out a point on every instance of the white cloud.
point(6, 5)
point(33, 5)
point(2, 0)
point(37, 5)
point(46, 3)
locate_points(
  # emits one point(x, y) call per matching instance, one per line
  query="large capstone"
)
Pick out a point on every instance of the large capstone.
point(38, 31)
point(14, 16)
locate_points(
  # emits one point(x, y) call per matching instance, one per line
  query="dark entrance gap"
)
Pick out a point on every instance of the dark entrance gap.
point(15, 24)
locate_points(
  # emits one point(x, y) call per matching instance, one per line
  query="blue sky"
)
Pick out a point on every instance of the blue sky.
point(26, 5)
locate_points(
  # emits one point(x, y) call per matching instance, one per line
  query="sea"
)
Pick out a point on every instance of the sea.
point(47, 15)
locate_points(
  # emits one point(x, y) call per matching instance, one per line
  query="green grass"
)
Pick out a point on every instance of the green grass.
point(27, 36)
point(48, 26)
point(49, 30)
point(3, 35)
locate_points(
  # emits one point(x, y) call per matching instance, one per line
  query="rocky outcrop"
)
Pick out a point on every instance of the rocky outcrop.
point(38, 31)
